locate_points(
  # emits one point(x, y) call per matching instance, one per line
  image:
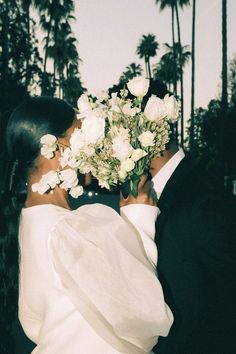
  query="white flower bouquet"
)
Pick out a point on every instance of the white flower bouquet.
point(118, 138)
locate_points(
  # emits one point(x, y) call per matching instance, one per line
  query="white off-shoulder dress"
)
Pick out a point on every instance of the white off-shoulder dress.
point(87, 280)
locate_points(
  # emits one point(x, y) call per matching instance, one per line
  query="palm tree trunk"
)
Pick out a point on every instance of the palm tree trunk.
point(149, 68)
point(174, 49)
point(224, 97)
point(146, 67)
point(46, 54)
point(181, 80)
point(193, 76)
point(27, 75)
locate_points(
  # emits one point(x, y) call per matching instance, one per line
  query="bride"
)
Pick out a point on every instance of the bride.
point(87, 281)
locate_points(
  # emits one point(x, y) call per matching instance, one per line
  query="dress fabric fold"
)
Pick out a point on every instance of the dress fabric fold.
point(98, 278)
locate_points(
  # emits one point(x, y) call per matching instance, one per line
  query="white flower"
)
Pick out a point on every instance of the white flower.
point(128, 110)
point(102, 95)
point(122, 174)
point(85, 167)
point(93, 128)
point(77, 141)
point(127, 165)
point(137, 154)
point(121, 148)
point(172, 108)
point(48, 181)
point(155, 109)
point(51, 178)
point(49, 145)
point(146, 139)
point(68, 159)
point(114, 100)
point(114, 103)
point(88, 150)
point(119, 131)
point(83, 103)
point(103, 184)
point(68, 178)
point(40, 187)
point(138, 86)
point(77, 191)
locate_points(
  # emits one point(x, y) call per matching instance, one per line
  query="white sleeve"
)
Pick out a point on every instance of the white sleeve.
point(103, 268)
point(143, 218)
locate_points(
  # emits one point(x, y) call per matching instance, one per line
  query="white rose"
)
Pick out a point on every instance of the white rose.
point(83, 103)
point(121, 148)
point(68, 178)
point(93, 128)
point(137, 154)
point(146, 139)
point(172, 108)
point(138, 86)
point(127, 165)
point(155, 109)
point(77, 191)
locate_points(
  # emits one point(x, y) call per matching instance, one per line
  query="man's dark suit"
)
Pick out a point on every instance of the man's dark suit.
point(196, 240)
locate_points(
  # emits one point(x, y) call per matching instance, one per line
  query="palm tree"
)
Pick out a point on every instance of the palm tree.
point(131, 71)
point(193, 74)
point(146, 49)
point(52, 12)
point(224, 94)
point(224, 98)
point(181, 3)
point(174, 5)
point(26, 7)
point(164, 71)
point(183, 55)
point(163, 5)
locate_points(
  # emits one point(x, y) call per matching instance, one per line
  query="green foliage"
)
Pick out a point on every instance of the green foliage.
point(146, 49)
point(131, 71)
point(22, 70)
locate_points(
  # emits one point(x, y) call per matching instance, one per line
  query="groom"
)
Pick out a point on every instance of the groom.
point(196, 240)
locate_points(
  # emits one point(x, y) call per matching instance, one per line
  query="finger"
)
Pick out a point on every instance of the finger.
point(143, 180)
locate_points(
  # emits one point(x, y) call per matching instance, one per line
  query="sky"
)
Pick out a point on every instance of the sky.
point(108, 32)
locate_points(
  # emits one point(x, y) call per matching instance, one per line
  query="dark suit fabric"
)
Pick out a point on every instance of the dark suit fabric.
point(196, 240)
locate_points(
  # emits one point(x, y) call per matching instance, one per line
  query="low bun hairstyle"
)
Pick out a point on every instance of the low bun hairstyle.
point(27, 124)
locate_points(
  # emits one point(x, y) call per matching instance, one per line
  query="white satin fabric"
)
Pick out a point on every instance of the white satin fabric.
point(86, 283)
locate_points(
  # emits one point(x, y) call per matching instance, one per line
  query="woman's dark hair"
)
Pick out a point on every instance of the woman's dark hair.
point(27, 124)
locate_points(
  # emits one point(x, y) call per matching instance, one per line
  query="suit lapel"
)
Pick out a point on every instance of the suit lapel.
point(173, 192)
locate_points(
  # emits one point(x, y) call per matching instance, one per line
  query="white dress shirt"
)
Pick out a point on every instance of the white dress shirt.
point(162, 177)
